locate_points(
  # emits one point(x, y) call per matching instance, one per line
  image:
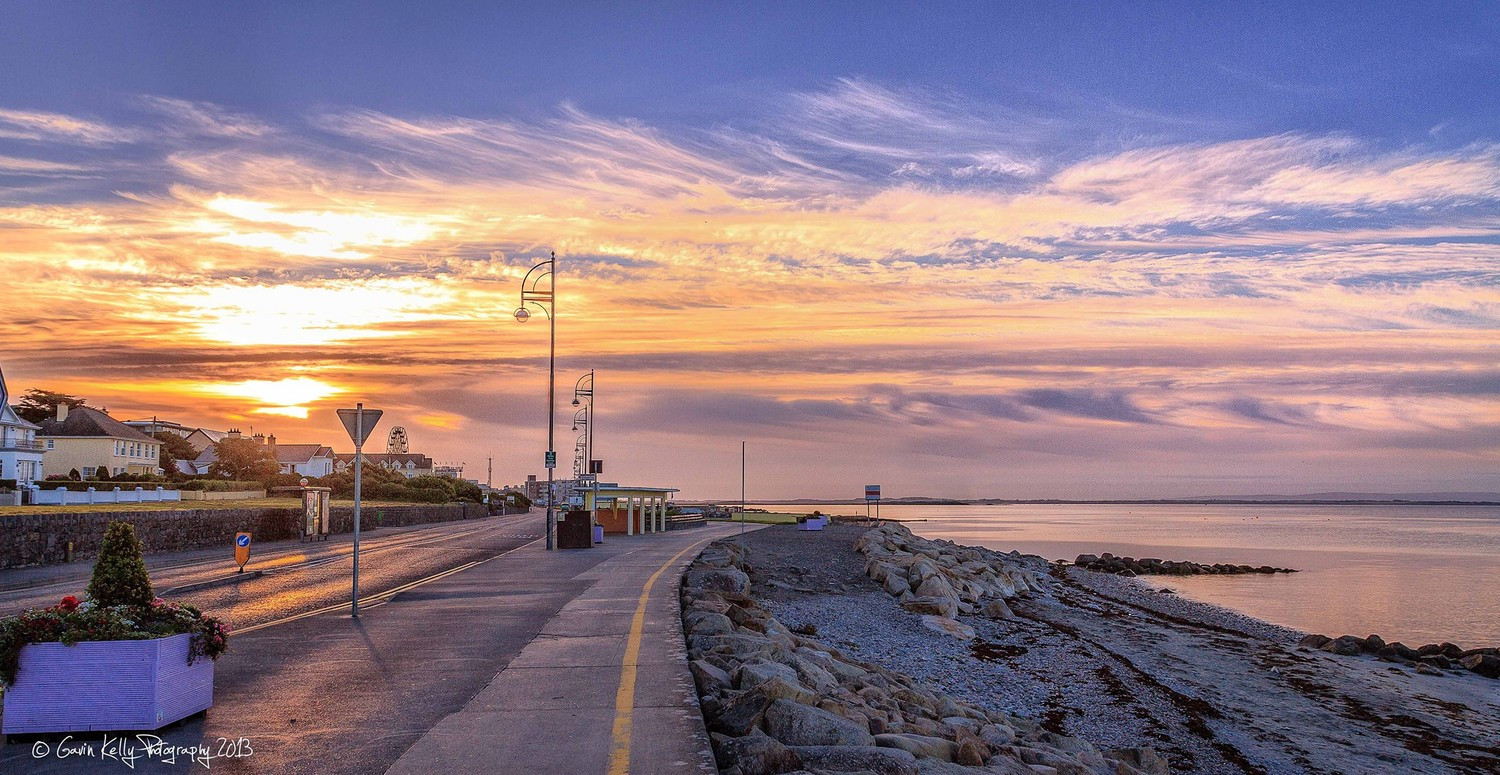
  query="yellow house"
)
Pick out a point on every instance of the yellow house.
point(88, 439)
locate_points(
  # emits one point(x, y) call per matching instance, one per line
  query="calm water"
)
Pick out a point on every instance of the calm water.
point(1418, 574)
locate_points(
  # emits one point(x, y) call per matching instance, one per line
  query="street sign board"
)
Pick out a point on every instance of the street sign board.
point(352, 423)
point(872, 492)
point(596, 466)
point(241, 550)
point(550, 461)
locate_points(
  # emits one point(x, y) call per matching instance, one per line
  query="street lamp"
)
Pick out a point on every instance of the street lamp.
point(583, 393)
point(544, 300)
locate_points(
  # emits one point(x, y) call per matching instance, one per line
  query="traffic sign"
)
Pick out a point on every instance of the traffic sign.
point(359, 422)
point(872, 492)
point(242, 549)
point(550, 461)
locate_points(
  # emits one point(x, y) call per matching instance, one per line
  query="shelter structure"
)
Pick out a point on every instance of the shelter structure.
point(629, 510)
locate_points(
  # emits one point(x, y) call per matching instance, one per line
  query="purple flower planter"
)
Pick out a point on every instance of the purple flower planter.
point(107, 685)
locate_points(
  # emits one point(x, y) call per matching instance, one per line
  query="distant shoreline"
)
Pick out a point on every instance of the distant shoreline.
point(1057, 502)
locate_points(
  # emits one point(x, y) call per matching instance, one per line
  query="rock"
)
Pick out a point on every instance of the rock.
point(935, 586)
point(759, 671)
point(1374, 643)
point(707, 623)
point(1144, 759)
point(796, 724)
point(841, 758)
point(1086, 559)
point(896, 586)
point(778, 688)
point(1403, 651)
point(1315, 641)
point(948, 626)
point(754, 754)
point(1345, 645)
point(1436, 660)
point(935, 606)
point(998, 609)
point(920, 745)
point(709, 679)
point(1451, 650)
point(1483, 664)
point(1389, 654)
point(1423, 668)
point(741, 713)
point(971, 753)
point(718, 579)
point(997, 735)
point(1429, 650)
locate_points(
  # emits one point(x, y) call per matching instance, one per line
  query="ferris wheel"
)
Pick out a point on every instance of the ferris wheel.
point(396, 443)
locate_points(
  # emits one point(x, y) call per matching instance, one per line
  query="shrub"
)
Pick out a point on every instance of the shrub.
point(7, 484)
point(102, 473)
point(120, 576)
point(220, 485)
point(74, 475)
point(71, 622)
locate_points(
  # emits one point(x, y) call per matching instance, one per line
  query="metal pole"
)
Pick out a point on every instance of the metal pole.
point(359, 463)
point(742, 494)
point(551, 378)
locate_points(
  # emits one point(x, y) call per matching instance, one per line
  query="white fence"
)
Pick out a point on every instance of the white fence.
point(64, 497)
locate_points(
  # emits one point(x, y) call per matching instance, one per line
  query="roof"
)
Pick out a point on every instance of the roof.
point(88, 422)
point(8, 415)
point(376, 458)
point(300, 453)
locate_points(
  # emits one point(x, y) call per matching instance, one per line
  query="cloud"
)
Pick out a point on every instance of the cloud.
point(45, 126)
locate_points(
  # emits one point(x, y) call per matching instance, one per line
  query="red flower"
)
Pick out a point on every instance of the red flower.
point(68, 603)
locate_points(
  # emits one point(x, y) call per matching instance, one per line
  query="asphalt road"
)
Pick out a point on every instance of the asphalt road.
point(294, 577)
point(332, 694)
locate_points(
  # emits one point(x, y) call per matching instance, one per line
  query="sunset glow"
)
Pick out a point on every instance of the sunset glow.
point(948, 289)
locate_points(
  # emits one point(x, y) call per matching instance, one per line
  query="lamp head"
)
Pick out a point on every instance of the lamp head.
point(522, 315)
point(575, 402)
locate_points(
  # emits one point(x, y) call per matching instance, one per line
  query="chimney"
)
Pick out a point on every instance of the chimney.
point(62, 411)
point(271, 442)
point(259, 438)
point(233, 433)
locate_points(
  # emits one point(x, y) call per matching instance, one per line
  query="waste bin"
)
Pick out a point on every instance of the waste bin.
point(575, 530)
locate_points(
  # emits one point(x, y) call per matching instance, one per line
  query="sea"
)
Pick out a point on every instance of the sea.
point(1411, 573)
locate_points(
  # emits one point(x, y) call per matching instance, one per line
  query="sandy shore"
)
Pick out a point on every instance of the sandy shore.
point(1111, 660)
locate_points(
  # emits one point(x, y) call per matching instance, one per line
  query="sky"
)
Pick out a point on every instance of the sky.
point(1029, 250)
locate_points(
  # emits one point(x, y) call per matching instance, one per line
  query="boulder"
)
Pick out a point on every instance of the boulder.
point(998, 609)
point(778, 688)
point(948, 626)
point(935, 606)
point(754, 754)
point(1374, 643)
point(717, 579)
point(1451, 650)
point(997, 735)
point(920, 745)
point(707, 623)
point(896, 586)
point(709, 679)
point(1345, 645)
point(750, 674)
point(740, 714)
point(1486, 665)
point(801, 725)
point(1314, 641)
point(935, 586)
point(1436, 660)
point(846, 758)
point(1144, 759)
point(1086, 559)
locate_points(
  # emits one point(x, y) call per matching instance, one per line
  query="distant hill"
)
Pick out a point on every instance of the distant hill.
point(1441, 497)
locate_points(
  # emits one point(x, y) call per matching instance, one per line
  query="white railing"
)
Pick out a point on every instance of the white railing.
point(64, 497)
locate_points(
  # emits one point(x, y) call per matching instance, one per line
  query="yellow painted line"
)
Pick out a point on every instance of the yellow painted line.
point(619, 751)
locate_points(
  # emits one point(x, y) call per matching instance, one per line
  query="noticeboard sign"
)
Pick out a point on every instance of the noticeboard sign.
point(550, 459)
point(872, 492)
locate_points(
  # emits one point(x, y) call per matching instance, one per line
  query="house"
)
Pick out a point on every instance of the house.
point(310, 460)
point(87, 439)
point(20, 451)
point(408, 464)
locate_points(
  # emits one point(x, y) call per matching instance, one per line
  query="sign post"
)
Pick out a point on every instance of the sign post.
point(241, 550)
point(358, 421)
point(872, 495)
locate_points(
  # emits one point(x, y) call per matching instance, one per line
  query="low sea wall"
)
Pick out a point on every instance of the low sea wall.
point(42, 538)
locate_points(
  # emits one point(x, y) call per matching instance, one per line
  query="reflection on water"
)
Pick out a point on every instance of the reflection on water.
point(1417, 574)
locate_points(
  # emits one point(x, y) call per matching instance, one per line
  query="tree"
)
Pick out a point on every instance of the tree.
point(173, 449)
point(244, 460)
point(120, 576)
point(102, 473)
point(37, 405)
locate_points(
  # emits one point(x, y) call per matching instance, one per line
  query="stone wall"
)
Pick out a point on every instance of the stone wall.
point(41, 537)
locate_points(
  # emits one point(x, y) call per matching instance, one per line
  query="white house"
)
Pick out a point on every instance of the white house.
point(20, 451)
point(310, 460)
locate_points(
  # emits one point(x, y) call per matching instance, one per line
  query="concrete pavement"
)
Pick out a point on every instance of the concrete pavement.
point(602, 688)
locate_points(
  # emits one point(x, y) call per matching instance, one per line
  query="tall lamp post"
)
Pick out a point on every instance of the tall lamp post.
point(583, 393)
point(544, 300)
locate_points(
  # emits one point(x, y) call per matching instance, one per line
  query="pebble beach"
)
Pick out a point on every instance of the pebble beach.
point(1118, 663)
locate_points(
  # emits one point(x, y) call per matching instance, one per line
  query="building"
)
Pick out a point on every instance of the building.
point(87, 439)
point(450, 470)
point(309, 460)
point(20, 451)
point(203, 438)
point(408, 464)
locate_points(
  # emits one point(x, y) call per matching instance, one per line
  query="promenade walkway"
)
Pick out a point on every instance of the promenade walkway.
point(603, 688)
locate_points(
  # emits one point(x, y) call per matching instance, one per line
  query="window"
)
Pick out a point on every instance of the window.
point(50, 444)
point(88, 472)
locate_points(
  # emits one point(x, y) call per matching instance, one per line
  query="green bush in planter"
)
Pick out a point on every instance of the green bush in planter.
point(120, 576)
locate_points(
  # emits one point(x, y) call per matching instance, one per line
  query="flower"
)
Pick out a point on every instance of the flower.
point(69, 603)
